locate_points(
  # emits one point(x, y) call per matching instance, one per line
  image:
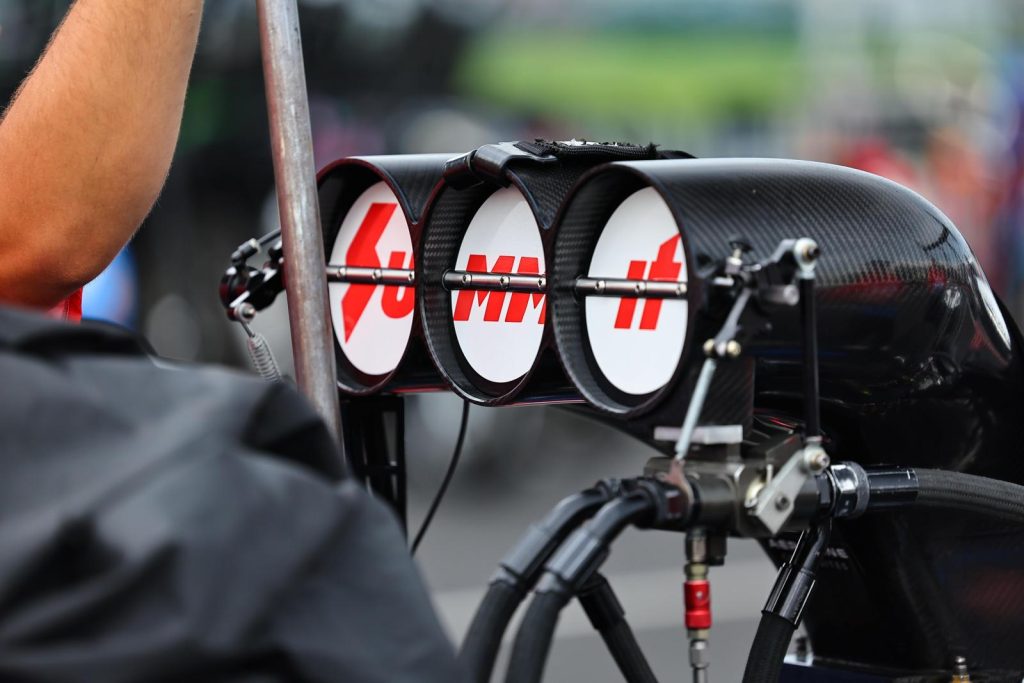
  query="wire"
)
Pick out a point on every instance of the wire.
point(269, 237)
point(456, 454)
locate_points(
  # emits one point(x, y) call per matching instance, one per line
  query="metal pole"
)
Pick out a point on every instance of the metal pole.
point(295, 173)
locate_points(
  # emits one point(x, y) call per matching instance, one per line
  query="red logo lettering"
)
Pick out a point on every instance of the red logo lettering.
point(664, 268)
point(363, 252)
point(495, 300)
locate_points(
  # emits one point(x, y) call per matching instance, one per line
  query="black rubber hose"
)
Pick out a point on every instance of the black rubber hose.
point(480, 648)
point(533, 640)
point(518, 573)
point(609, 619)
point(626, 652)
point(764, 665)
point(579, 557)
point(969, 493)
point(782, 612)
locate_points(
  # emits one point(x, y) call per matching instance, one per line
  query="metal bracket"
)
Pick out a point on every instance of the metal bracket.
point(773, 504)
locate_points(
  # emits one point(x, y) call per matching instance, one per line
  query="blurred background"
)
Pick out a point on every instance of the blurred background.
point(929, 93)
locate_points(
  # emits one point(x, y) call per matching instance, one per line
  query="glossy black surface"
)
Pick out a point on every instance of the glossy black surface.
point(919, 366)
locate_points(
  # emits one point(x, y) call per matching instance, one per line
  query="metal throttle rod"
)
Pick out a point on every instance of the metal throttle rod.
point(618, 287)
point(363, 275)
point(295, 173)
point(507, 282)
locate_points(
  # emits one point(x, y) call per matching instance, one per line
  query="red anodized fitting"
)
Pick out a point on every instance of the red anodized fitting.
point(697, 601)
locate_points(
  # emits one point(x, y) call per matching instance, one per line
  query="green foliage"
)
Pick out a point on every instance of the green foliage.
point(686, 78)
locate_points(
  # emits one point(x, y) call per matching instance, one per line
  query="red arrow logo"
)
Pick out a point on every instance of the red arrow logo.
point(363, 252)
point(495, 300)
point(664, 268)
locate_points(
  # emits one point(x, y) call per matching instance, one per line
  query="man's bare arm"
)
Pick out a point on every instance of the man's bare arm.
point(86, 145)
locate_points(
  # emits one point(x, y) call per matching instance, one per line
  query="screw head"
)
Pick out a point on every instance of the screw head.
point(733, 348)
point(781, 502)
point(709, 347)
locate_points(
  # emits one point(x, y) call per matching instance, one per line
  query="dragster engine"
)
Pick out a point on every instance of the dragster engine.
point(814, 349)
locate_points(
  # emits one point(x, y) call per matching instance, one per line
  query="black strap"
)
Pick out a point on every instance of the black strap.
point(490, 163)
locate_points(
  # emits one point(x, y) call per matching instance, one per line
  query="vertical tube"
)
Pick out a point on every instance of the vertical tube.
point(295, 173)
point(809, 323)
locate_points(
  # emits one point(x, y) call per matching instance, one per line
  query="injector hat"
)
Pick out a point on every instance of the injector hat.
point(486, 252)
point(900, 297)
point(371, 209)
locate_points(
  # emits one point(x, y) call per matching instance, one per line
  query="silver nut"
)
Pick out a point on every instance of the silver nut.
point(699, 654)
point(246, 312)
point(816, 459)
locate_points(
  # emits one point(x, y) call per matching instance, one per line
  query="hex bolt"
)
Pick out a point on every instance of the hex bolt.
point(246, 312)
point(816, 459)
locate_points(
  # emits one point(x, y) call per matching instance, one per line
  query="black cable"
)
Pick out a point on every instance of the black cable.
point(518, 572)
point(269, 237)
point(456, 454)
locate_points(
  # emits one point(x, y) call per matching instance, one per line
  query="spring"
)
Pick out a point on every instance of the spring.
point(263, 358)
